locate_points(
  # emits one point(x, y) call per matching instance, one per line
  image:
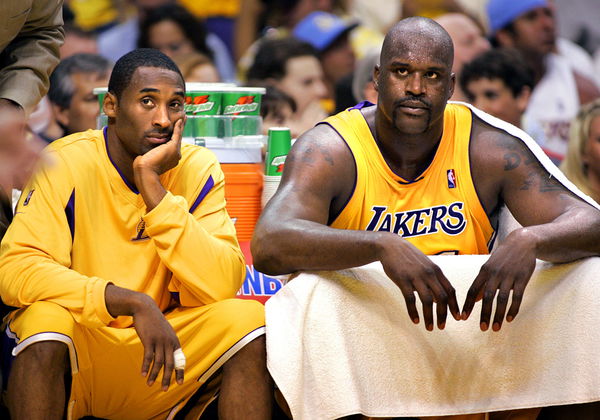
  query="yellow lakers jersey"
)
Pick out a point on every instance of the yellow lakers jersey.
point(79, 225)
point(439, 212)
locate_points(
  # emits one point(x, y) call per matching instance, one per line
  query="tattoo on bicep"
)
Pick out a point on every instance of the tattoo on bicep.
point(546, 182)
point(528, 182)
point(513, 160)
point(326, 155)
point(549, 183)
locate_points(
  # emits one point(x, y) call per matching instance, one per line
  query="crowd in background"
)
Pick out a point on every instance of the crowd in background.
point(532, 63)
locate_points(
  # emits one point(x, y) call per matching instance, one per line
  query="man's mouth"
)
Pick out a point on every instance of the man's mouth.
point(156, 138)
point(413, 108)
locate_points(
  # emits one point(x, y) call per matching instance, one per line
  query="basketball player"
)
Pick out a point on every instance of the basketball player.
point(123, 262)
point(372, 183)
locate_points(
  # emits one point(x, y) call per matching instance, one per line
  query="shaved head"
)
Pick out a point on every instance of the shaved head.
point(415, 33)
point(414, 79)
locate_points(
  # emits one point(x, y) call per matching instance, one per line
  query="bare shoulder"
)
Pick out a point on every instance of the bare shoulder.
point(321, 145)
point(318, 177)
point(500, 154)
point(508, 170)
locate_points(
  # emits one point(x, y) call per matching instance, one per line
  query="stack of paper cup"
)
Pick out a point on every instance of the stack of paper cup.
point(278, 146)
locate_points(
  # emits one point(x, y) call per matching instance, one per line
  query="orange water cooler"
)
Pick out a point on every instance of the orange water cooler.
point(242, 165)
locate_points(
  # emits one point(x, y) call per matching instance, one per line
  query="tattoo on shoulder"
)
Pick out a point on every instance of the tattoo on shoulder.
point(326, 155)
point(312, 154)
point(516, 156)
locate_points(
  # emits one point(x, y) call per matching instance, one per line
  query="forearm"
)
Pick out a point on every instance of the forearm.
point(306, 245)
point(26, 276)
point(571, 236)
point(148, 183)
point(121, 301)
point(203, 255)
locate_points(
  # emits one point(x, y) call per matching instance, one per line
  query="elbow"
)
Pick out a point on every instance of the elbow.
point(267, 255)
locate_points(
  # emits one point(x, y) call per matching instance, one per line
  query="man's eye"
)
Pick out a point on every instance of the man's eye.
point(432, 75)
point(176, 105)
point(146, 101)
point(490, 95)
point(402, 72)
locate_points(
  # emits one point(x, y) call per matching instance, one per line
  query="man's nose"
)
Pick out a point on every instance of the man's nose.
point(161, 117)
point(415, 84)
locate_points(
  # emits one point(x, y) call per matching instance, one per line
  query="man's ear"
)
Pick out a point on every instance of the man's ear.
point(61, 115)
point(452, 85)
point(110, 105)
point(376, 72)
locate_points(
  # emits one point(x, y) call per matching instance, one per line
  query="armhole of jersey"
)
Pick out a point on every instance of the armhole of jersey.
point(536, 150)
point(473, 196)
point(334, 217)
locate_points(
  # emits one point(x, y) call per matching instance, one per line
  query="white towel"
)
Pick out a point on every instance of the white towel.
point(340, 343)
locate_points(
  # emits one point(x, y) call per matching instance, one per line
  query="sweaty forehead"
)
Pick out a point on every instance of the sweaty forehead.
point(418, 39)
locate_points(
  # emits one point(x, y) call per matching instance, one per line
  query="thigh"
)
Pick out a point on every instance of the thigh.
point(110, 384)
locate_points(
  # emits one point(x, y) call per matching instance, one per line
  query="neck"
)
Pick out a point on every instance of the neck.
point(407, 154)
point(119, 156)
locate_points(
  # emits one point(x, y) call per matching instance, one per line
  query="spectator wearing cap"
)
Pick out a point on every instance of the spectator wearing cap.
point(329, 34)
point(559, 90)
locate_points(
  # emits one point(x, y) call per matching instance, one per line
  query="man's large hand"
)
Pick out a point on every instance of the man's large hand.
point(156, 334)
point(413, 271)
point(164, 157)
point(509, 268)
point(160, 342)
point(148, 167)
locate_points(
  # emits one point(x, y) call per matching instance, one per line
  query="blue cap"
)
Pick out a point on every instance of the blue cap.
point(502, 12)
point(320, 29)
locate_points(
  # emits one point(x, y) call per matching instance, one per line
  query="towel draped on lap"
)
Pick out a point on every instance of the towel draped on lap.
point(340, 343)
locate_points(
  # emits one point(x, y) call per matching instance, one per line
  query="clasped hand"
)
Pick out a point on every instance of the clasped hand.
point(508, 269)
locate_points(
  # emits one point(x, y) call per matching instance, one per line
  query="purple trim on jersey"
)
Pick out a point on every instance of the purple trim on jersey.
point(332, 219)
point(70, 213)
point(363, 104)
point(131, 187)
point(203, 192)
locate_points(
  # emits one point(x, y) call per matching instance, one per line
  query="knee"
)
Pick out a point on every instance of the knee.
point(47, 356)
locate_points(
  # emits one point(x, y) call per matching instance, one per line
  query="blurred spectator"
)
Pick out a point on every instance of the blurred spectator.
point(173, 31)
point(96, 15)
point(122, 38)
point(430, 8)
point(258, 16)
point(276, 109)
point(498, 82)
point(468, 41)
point(75, 106)
point(329, 34)
point(582, 163)
point(363, 87)
point(219, 17)
point(559, 90)
point(293, 67)
point(379, 15)
point(77, 41)
point(197, 68)
point(29, 50)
